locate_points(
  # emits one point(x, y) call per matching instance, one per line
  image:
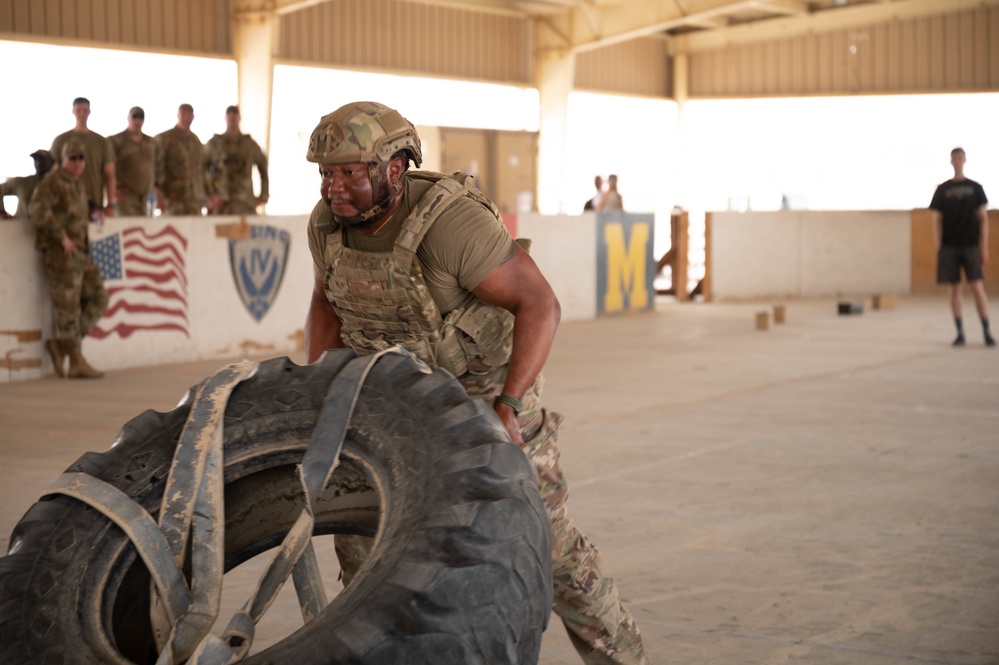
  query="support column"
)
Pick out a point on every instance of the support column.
point(253, 48)
point(681, 67)
point(555, 73)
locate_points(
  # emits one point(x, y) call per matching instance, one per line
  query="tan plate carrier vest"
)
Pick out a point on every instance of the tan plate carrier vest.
point(382, 300)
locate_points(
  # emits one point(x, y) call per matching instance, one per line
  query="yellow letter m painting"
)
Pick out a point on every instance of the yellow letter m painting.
point(625, 265)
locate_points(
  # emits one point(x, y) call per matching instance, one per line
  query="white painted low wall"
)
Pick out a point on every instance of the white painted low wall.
point(565, 247)
point(196, 311)
point(177, 298)
point(807, 254)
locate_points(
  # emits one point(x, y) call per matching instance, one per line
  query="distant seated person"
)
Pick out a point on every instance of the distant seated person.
point(591, 203)
point(611, 199)
point(24, 187)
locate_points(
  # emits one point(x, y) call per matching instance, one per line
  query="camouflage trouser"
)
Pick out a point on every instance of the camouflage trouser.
point(131, 204)
point(77, 293)
point(586, 598)
point(184, 207)
point(239, 206)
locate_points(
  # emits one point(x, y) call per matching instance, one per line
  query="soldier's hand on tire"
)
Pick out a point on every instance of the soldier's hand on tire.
point(509, 418)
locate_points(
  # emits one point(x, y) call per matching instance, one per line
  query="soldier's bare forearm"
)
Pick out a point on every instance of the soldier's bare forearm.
point(533, 333)
point(322, 326)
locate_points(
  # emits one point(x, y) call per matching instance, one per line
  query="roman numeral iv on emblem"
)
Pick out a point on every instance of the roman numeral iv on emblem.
point(258, 264)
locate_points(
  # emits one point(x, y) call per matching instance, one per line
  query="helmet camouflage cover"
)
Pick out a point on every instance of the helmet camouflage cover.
point(363, 132)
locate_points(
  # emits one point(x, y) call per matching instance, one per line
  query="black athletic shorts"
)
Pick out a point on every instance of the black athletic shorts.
point(951, 259)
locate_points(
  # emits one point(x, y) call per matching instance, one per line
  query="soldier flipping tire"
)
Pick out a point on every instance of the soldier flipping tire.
point(419, 454)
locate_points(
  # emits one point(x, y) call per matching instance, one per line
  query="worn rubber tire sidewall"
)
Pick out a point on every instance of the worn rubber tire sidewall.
point(461, 570)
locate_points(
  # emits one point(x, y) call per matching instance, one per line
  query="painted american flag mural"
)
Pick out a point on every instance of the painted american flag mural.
point(144, 274)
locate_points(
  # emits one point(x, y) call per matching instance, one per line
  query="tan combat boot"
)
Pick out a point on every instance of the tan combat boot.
point(79, 368)
point(58, 355)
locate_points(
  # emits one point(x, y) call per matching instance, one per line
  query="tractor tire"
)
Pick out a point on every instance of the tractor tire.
point(460, 571)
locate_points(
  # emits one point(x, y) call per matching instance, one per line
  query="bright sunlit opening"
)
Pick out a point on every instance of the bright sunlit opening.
point(39, 95)
point(303, 95)
point(885, 152)
point(833, 153)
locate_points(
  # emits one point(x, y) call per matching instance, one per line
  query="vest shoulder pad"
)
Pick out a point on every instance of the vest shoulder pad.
point(445, 191)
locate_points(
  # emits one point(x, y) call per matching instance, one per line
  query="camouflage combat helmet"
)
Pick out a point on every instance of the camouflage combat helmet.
point(369, 133)
point(363, 132)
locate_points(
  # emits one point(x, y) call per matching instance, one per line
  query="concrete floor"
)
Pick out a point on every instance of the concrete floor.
point(825, 492)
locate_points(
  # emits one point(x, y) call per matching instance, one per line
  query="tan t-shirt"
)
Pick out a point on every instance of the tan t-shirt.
point(461, 248)
point(135, 163)
point(98, 153)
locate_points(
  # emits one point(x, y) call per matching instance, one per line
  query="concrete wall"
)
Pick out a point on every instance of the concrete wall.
point(598, 264)
point(219, 295)
point(564, 248)
point(202, 288)
point(807, 254)
point(924, 255)
point(178, 297)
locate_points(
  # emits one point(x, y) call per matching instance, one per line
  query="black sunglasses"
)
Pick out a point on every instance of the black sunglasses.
point(76, 158)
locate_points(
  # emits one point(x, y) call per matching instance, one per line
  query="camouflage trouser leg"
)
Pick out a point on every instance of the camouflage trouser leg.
point(184, 207)
point(77, 293)
point(586, 598)
point(93, 297)
point(65, 284)
point(239, 206)
point(131, 204)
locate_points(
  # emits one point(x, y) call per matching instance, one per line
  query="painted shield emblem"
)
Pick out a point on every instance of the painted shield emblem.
point(258, 265)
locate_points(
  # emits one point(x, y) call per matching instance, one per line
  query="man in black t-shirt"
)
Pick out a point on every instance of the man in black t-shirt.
point(961, 228)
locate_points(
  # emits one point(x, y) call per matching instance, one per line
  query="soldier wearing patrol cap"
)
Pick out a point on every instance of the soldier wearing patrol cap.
point(24, 187)
point(181, 172)
point(135, 165)
point(422, 260)
point(60, 210)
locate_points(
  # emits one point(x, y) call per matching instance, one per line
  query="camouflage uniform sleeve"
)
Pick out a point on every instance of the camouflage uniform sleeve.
point(41, 212)
point(261, 162)
point(210, 166)
point(157, 158)
point(214, 166)
point(160, 172)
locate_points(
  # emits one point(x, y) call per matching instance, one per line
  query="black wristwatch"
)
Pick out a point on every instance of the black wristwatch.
point(512, 402)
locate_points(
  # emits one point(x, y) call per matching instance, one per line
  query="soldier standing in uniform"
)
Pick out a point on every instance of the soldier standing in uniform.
point(181, 171)
point(135, 165)
point(99, 176)
point(24, 187)
point(386, 241)
point(234, 155)
point(61, 213)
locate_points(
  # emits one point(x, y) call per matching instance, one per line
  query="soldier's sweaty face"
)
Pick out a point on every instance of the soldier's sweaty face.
point(346, 188)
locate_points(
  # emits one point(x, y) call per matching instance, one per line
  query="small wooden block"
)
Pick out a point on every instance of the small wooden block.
point(883, 301)
point(780, 313)
point(763, 320)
